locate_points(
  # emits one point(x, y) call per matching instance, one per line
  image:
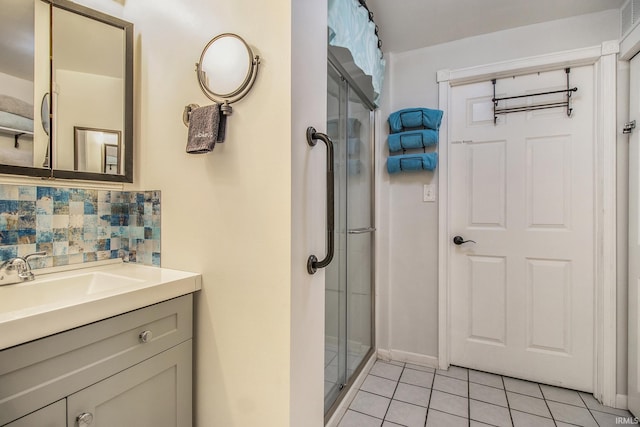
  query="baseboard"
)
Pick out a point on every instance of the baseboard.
point(621, 401)
point(351, 394)
point(408, 357)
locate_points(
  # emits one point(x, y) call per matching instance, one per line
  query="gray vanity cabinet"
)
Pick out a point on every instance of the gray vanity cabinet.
point(133, 369)
point(53, 415)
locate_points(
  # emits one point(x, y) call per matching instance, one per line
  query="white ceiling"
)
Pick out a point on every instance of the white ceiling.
point(411, 24)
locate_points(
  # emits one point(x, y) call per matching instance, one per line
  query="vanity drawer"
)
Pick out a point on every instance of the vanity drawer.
point(37, 373)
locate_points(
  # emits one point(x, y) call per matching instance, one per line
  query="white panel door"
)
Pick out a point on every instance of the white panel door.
point(633, 380)
point(522, 297)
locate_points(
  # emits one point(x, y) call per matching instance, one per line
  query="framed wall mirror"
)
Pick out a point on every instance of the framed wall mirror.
point(91, 87)
point(97, 150)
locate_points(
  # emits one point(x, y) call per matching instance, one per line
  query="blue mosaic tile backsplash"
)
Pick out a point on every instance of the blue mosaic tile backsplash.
point(74, 225)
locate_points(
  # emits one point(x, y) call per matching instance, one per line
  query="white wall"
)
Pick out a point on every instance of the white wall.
point(308, 108)
point(21, 156)
point(17, 87)
point(243, 215)
point(23, 90)
point(409, 299)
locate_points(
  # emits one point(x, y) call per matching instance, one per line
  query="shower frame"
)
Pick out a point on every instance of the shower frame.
point(334, 63)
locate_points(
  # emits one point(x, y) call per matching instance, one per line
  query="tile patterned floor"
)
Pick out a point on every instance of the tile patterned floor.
point(401, 394)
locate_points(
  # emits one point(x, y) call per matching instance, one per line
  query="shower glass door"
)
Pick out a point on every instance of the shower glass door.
point(349, 278)
point(335, 356)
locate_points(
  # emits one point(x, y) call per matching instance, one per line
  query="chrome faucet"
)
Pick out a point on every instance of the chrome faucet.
point(18, 269)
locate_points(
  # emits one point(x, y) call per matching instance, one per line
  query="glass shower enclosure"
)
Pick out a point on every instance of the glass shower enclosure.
point(349, 296)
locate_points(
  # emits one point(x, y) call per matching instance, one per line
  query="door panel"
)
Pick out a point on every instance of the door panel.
point(487, 289)
point(523, 189)
point(487, 184)
point(548, 305)
point(633, 387)
point(549, 198)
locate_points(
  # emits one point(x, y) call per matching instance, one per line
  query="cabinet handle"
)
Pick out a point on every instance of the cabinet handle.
point(84, 419)
point(145, 336)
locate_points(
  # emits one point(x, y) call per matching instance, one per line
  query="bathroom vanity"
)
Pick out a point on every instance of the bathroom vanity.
point(107, 355)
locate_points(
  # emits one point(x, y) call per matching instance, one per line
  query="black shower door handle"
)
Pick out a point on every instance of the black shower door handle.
point(312, 263)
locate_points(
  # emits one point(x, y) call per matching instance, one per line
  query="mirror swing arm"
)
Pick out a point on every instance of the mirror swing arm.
point(224, 99)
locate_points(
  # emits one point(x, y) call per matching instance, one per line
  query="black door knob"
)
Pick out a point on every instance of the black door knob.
point(458, 240)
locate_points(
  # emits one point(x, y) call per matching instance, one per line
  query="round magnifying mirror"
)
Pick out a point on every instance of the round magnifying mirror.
point(226, 66)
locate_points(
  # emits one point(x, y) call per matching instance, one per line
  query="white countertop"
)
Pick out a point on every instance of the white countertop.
point(56, 302)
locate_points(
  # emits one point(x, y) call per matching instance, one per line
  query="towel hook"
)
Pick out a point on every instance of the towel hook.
point(186, 114)
point(225, 109)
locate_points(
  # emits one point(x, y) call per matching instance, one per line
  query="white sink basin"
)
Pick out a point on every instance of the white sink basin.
point(93, 283)
point(63, 300)
point(61, 289)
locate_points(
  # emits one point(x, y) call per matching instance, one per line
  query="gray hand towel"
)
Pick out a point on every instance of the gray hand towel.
point(222, 128)
point(203, 129)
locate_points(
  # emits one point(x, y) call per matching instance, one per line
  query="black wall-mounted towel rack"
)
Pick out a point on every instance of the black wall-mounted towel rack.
point(506, 110)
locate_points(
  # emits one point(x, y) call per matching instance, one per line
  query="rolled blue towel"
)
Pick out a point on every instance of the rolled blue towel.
point(412, 162)
point(412, 139)
point(412, 118)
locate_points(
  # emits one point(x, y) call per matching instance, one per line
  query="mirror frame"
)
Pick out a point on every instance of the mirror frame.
point(128, 131)
point(103, 159)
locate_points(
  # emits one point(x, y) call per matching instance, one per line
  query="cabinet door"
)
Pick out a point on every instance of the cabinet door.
point(153, 393)
point(54, 415)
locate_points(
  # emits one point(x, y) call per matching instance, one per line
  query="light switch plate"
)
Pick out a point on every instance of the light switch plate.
point(429, 193)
